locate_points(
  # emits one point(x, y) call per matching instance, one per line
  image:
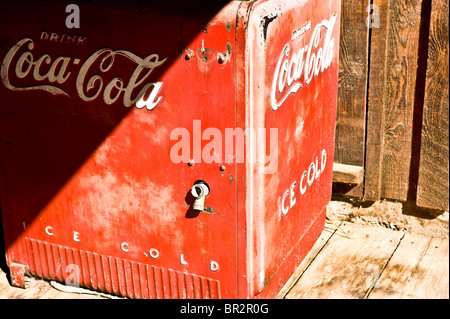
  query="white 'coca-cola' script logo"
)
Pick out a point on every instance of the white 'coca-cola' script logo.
point(292, 66)
point(55, 72)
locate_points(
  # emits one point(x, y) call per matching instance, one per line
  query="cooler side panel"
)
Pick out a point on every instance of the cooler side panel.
point(293, 51)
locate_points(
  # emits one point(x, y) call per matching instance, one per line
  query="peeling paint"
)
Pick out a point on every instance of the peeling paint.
point(229, 48)
point(210, 210)
point(265, 24)
point(205, 55)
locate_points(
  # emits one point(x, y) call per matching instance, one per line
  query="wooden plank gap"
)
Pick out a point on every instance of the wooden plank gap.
point(345, 268)
point(418, 269)
point(349, 174)
point(377, 280)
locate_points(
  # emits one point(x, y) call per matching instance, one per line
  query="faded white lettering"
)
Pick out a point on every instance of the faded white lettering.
point(307, 179)
point(89, 86)
point(305, 63)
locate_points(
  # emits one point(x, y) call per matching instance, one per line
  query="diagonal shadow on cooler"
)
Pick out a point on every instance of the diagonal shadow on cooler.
point(65, 91)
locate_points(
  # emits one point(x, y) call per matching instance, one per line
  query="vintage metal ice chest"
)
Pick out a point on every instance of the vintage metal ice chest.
point(166, 151)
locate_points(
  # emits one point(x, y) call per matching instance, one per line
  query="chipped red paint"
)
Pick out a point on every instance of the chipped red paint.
point(89, 192)
point(17, 272)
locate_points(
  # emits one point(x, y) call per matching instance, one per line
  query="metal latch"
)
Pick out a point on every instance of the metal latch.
point(200, 191)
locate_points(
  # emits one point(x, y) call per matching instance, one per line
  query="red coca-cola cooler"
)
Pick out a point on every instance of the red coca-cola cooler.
point(178, 150)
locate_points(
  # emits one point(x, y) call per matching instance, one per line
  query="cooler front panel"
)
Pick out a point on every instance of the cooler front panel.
point(103, 132)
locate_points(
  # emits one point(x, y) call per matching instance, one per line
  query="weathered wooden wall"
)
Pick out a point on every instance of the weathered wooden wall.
point(393, 100)
point(353, 74)
point(433, 171)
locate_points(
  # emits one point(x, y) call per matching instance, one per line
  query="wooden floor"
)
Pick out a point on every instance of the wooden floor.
point(371, 262)
point(348, 261)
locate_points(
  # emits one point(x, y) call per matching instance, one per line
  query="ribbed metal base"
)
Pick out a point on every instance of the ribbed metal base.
point(114, 275)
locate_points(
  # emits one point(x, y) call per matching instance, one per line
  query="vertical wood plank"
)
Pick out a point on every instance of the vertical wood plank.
point(433, 185)
point(350, 122)
point(401, 66)
point(375, 105)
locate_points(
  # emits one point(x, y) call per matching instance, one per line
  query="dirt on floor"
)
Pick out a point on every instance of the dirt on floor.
point(395, 215)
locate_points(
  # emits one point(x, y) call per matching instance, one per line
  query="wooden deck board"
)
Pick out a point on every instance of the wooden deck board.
point(431, 278)
point(399, 272)
point(326, 234)
point(347, 266)
point(418, 269)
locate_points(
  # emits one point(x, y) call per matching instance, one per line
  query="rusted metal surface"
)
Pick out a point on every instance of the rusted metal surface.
point(96, 186)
